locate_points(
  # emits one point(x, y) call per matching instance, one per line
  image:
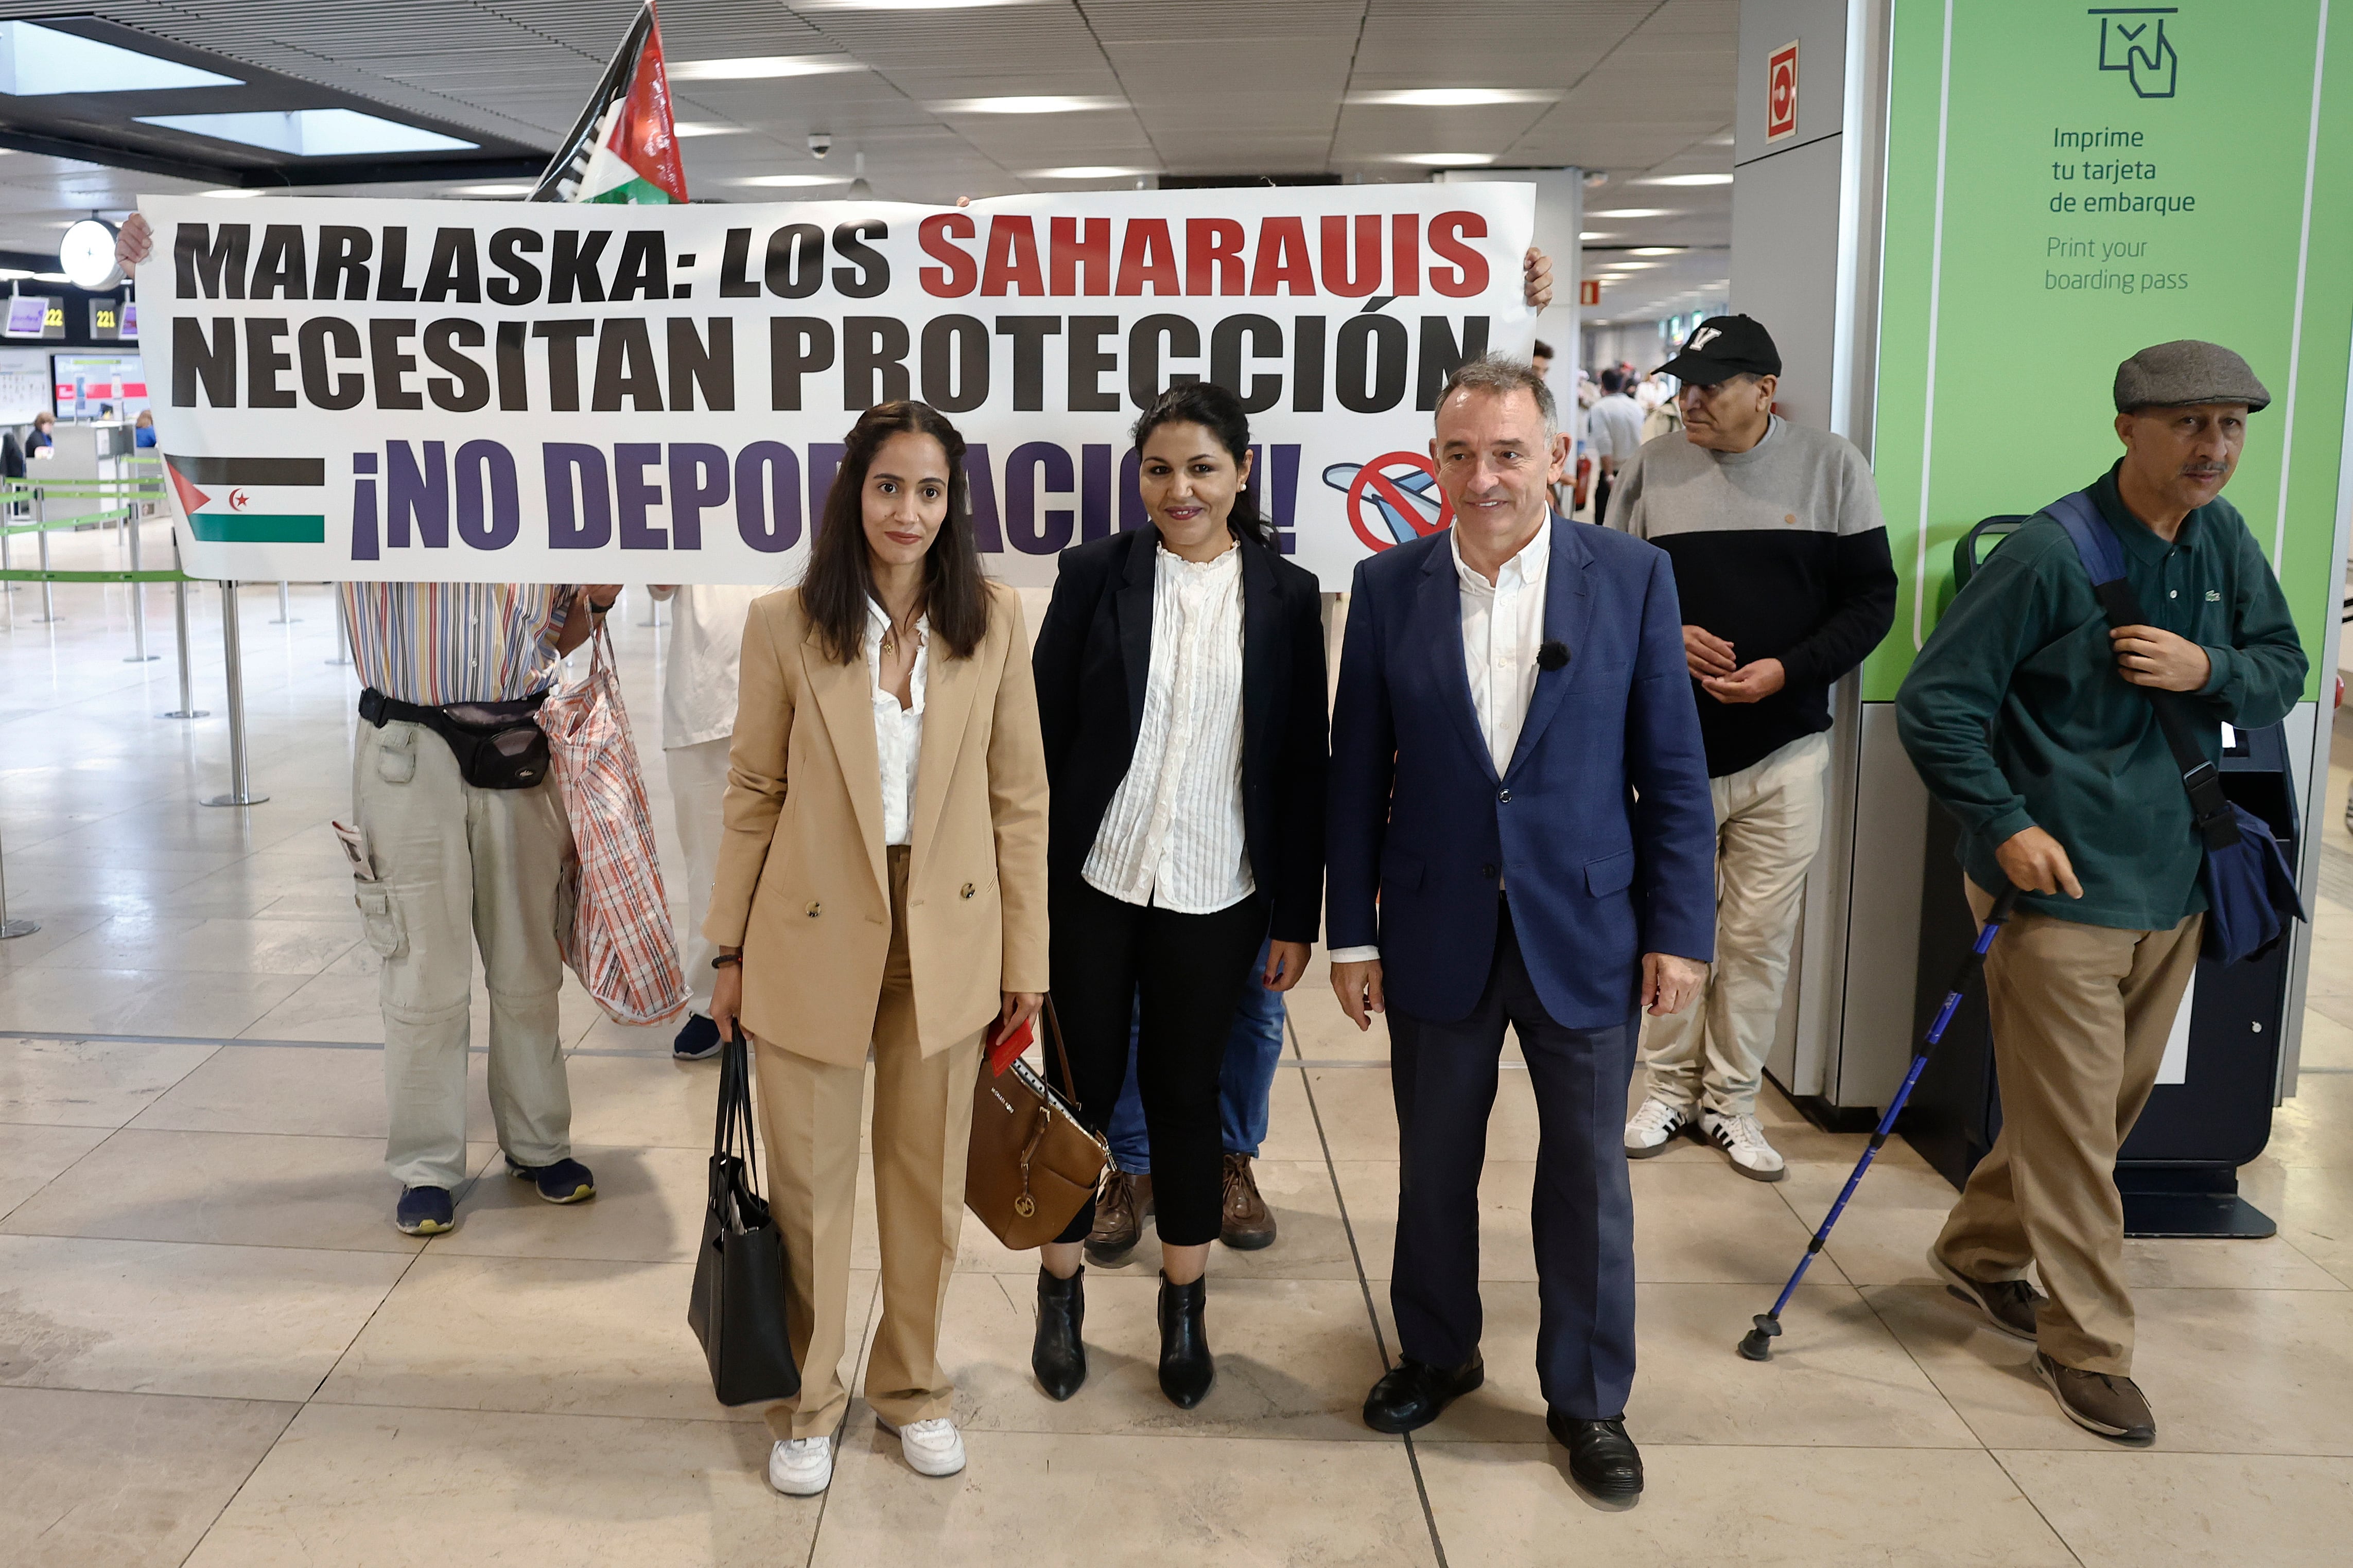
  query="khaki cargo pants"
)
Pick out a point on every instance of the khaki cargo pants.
point(456, 867)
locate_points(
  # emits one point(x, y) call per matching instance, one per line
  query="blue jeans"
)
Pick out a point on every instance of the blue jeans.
point(1253, 1050)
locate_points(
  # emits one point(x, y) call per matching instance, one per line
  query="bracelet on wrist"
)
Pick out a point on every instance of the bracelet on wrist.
point(728, 961)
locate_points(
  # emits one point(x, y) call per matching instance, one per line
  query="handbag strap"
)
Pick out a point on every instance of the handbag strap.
point(1061, 1052)
point(2103, 562)
point(734, 1114)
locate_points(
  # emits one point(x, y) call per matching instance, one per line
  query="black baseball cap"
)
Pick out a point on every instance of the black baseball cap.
point(1723, 347)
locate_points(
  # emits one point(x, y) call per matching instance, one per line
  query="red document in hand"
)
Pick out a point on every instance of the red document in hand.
point(1004, 1049)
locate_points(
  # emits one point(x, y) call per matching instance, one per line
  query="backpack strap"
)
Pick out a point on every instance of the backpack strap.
point(2103, 562)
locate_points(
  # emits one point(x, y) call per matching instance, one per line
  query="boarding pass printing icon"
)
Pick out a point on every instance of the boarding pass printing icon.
point(2132, 40)
point(1393, 499)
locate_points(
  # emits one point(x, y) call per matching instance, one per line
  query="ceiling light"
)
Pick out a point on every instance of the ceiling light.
point(794, 181)
point(1051, 104)
point(1090, 171)
point(234, 193)
point(1446, 160)
point(1658, 250)
point(903, 5)
point(87, 255)
point(36, 61)
point(760, 68)
point(1635, 212)
point(454, 189)
point(702, 128)
point(1453, 96)
point(311, 133)
point(13, 275)
point(1686, 180)
point(51, 278)
point(1593, 233)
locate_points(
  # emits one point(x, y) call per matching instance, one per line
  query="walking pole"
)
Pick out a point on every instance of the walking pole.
point(139, 654)
point(9, 927)
point(187, 708)
point(1757, 1343)
point(240, 788)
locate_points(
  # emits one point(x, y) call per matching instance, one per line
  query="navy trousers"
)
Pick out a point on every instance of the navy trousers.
point(1443, 1076)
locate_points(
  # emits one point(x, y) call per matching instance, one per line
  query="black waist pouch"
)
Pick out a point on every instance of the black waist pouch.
point(499, 745)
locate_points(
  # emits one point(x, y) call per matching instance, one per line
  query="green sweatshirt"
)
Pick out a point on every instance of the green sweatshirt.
point(2016, 718)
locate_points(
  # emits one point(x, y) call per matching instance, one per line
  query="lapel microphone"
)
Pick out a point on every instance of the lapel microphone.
point(1552, 654)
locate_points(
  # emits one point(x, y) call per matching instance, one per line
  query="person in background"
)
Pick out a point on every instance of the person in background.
point(1181, 692)
point(1245, 1084)
point(1781, 566)
point(143, 428)
point(882, 885)
point(2033, 719)
point(1519, 839)
point(459, 864)
point(706, 639)
point(1614, 429)
point(1541, 357)
point(44, 433)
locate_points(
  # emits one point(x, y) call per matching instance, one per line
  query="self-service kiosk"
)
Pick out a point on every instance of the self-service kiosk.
point(2211, 1110)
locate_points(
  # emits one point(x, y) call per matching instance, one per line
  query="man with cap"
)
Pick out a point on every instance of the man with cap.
point(1782, 566)
point(2032, 721)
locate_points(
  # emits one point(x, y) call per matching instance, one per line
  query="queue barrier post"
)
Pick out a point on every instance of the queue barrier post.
point(240, 789)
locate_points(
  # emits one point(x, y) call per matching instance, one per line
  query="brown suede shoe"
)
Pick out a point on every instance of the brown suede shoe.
point(2009, 1305)
point(1248, 1224)
point(1120, 1208)
point(2098, 1401)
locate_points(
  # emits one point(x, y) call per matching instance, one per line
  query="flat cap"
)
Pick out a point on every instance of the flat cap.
point(2186, 370)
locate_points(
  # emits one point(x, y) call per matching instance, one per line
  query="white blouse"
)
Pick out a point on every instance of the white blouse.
point(1174, 836)
point(898, 731)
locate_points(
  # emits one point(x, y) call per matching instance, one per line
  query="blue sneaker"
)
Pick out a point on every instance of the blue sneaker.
point(565, 1181)
point(698, 1042)
point(424, 1211)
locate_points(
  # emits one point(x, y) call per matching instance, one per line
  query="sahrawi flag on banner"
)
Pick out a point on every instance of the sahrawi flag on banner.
point(624, 150)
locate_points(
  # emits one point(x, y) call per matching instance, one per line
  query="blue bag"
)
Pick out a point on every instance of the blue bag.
point(2251, 894)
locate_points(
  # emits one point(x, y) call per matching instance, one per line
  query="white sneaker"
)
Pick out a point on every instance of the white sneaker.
point(1653, 1126)
point(801, 1466)
point(1742, 1139)
point(933, 1448)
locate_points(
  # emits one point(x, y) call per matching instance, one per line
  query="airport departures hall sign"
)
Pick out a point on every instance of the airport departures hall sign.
point(463, 391)
point(2067, 184)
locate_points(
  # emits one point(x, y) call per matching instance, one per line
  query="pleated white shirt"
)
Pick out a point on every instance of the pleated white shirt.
point(1173, 836)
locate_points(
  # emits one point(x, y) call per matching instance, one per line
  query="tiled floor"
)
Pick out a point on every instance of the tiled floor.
point(214, 1349)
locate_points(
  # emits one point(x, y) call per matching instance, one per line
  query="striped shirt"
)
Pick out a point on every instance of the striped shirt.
point(434, 644)
point(1173, 835)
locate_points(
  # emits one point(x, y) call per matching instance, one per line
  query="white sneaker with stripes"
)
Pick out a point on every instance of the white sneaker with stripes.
point(1742, 1139)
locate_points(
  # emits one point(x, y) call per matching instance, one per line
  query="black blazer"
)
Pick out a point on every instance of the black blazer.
point(1093, 654)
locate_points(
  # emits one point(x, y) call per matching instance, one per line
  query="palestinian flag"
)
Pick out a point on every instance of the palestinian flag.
point(623, 149)
point(252, 501)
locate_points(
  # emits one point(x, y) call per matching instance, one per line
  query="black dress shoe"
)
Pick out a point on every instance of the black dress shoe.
point(1601, 1458)
point(1058, 1356)
point(1412, 1393)
point(1186, 1368)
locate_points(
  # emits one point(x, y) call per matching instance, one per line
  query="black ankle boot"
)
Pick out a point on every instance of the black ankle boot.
point(1186, 1369)
point(1060, 1355)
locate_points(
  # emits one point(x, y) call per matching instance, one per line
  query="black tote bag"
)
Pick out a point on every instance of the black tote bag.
point(738, 1307)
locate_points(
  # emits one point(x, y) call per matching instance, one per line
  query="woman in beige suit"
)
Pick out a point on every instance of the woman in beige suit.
point(882, 881)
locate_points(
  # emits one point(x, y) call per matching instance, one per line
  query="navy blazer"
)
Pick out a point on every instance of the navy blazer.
point(1603, 827)
point(1093, 655)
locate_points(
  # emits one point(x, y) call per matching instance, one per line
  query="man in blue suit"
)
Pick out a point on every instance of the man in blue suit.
point(1520, 833)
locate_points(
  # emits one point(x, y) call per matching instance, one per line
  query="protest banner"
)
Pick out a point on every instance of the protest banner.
point(463, 392)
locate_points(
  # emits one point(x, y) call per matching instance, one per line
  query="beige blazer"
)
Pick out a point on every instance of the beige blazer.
point(802, 883)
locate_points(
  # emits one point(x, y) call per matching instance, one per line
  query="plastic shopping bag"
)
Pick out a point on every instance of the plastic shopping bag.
point(621, 943)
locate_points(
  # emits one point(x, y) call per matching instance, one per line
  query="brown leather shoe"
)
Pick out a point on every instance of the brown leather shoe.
point(2009, 1305)
point(1247, 1223)
point(1120, 1208)
point(2098, 1401)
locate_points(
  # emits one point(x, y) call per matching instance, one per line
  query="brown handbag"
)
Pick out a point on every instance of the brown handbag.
point(1032, 1165)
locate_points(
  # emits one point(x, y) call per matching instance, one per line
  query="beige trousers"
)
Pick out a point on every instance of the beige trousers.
point(809, 1115)
point(1768, 823)
point(456, 867)
point(697, 781)
point(2081, 1014)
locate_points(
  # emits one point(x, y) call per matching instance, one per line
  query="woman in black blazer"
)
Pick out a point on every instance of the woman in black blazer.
point(1181, 695)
